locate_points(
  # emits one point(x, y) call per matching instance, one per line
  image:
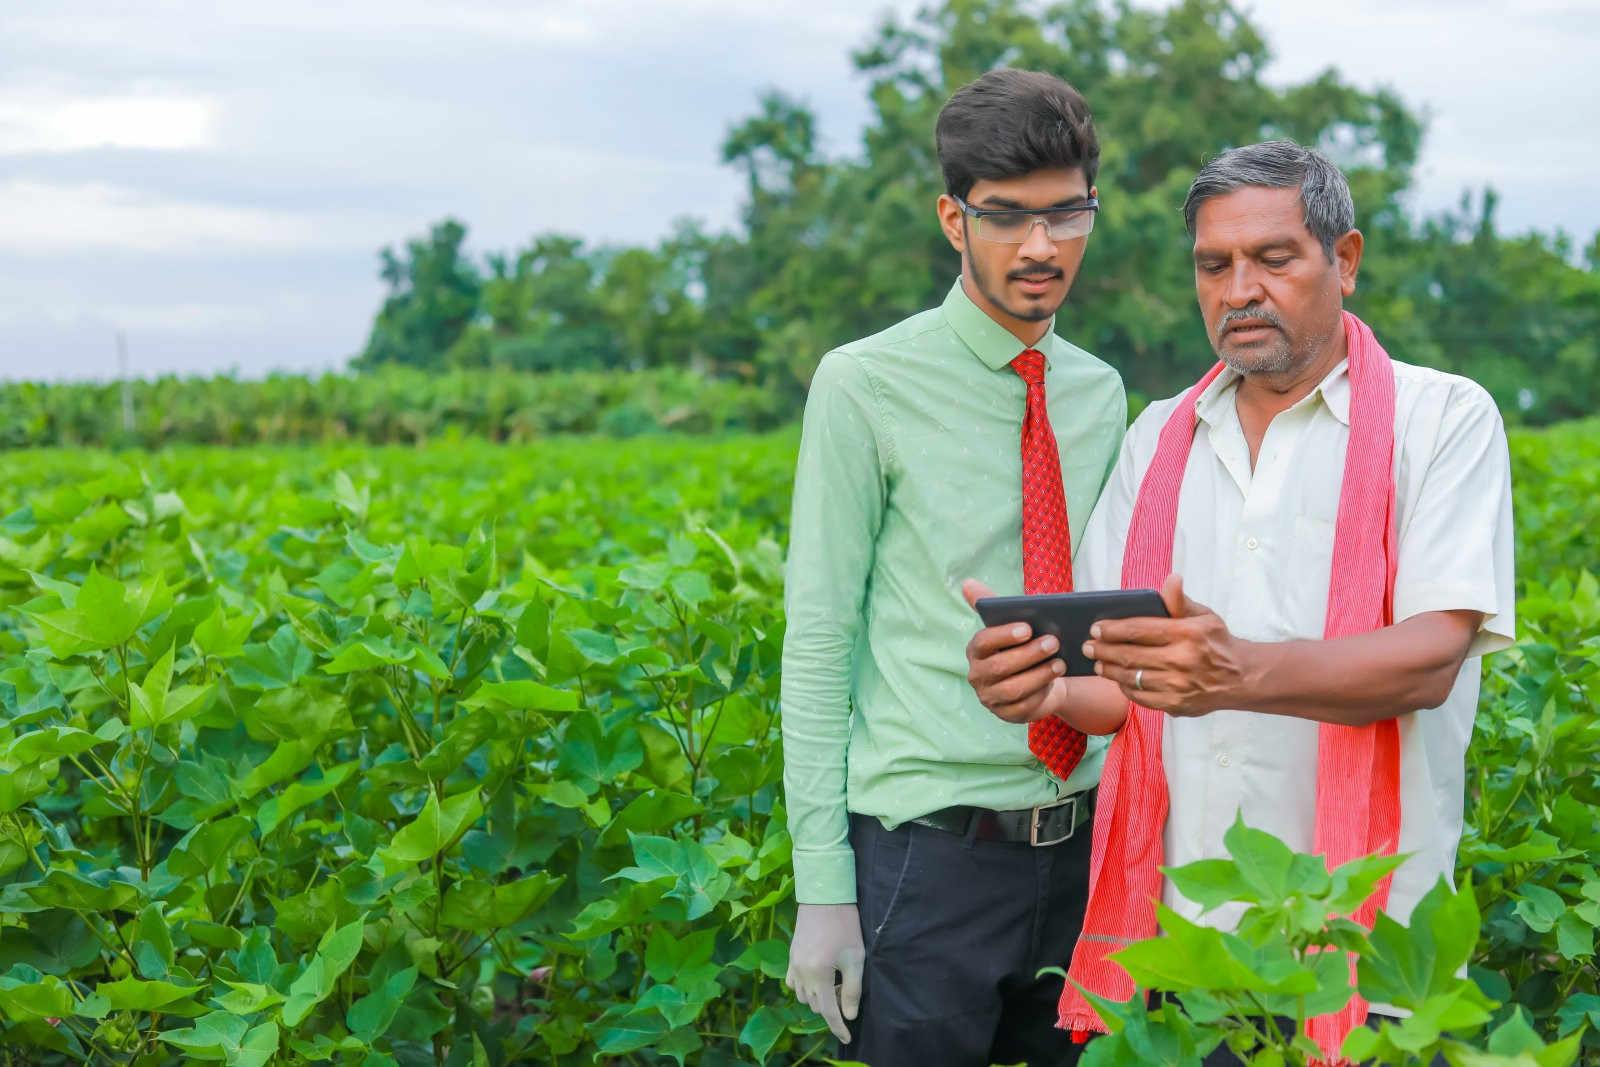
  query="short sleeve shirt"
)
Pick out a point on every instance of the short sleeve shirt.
point(1256, 546)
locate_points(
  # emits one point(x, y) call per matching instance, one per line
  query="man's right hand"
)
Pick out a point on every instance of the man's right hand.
point(827, 941)
point(1016, 678)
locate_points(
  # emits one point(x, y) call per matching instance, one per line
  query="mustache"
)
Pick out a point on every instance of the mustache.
point(1251, 314)
point(1034, 272)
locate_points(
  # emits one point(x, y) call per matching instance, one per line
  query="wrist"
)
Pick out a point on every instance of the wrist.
point(1257, 668)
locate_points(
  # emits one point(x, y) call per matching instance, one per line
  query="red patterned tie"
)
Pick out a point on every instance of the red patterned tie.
point(1046, 545)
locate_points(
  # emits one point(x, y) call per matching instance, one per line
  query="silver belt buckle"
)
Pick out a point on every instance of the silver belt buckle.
point(1037, 814)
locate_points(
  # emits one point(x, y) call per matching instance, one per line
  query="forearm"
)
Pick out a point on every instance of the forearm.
point(1093, 705)
point(1352, 681)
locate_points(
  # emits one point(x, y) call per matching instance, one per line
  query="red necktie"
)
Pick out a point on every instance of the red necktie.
point(1046, 545)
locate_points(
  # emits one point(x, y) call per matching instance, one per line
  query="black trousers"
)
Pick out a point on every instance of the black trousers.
point(955, 931)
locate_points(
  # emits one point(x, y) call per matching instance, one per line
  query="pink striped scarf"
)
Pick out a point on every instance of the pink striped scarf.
point(1358, 768)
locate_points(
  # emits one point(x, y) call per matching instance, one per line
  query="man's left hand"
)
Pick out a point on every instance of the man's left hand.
point(1188, 664)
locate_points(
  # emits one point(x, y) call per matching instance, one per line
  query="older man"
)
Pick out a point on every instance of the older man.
point(1346, 516)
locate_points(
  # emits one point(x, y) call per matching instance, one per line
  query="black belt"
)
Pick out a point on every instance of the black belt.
point(1047, 824)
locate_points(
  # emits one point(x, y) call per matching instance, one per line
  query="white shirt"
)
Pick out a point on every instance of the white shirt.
point(1257, 548)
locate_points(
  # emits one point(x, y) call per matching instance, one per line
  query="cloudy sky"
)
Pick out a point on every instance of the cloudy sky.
point(214, 179)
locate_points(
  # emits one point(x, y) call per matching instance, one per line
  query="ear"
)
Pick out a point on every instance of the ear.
point(950, 219)
point(1347, 258)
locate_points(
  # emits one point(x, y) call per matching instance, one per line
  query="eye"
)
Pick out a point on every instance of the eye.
point(1276, 262)
point(1210, 268)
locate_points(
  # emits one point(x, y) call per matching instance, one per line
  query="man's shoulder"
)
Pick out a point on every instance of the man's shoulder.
point(907, 335)
point(1415, 382)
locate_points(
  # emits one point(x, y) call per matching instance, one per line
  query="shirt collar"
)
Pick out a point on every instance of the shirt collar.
point(991, 342)
point(1216, 404)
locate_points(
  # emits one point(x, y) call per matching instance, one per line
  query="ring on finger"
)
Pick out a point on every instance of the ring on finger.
point(1138, 678)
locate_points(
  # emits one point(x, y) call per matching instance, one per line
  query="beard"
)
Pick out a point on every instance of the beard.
point(1279, 355)
point(992, 284)
point(994, 291)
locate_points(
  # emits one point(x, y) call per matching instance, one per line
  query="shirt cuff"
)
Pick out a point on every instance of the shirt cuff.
point(825, 875)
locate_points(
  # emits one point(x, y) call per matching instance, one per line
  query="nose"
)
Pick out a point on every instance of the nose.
point(1243, 284)
point(1037, 244)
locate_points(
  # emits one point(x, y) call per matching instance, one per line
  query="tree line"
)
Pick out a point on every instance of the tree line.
point(830, 249)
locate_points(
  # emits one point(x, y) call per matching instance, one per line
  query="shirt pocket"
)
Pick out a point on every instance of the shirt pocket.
point(1305, 586)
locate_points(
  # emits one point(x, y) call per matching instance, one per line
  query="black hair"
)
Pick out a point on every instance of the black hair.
point(1008, 124)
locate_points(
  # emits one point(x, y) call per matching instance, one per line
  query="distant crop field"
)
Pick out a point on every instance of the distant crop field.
point(469, 754)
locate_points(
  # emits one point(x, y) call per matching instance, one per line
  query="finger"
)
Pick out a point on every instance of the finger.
point(996, 668)
point(1172, 596)
point(975, 591)
point(1152, 683)
point(829, 1010)
point(1131, 657)
point(1180, 604)
point(1141, 631)
point(991, 639)
point(1029, 685)
point(850, 989)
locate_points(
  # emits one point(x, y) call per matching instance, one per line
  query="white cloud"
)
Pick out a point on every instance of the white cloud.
point(38, 217)
point(50, 122)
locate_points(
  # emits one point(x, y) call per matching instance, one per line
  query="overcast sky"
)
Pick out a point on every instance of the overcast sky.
point(215, 178)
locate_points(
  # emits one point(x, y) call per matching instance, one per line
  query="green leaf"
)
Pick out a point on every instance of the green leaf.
point(276, 811)
point(480, 907)
point(211, 1037)
point(153, 932)
point(335, 953)
point(434, 829)
point(521, 696)
point(156, 703)
point(350, 500)
point(697, 881)
point(371, 1016)
point(1405, 967)
point(105, 614)
point(134, 994)
point(1574, 936)
point(49, 743)
point(25, 993)
point(1540, 907)
point(654, 809)
point(204, 849)
point(595, 756)
point(596, 648)
point(762, 1031)
point(96, 892)
point(220, 635)
point(1263, 861)
point(278, 664)
point(369, 653)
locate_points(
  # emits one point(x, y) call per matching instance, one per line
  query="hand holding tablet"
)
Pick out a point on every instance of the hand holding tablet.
point(1068, 616)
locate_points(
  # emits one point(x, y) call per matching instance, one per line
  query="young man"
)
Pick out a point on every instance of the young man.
point(1348, 519)
point(939, 863)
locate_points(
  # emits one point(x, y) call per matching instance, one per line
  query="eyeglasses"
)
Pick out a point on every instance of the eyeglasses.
point(1012, 226)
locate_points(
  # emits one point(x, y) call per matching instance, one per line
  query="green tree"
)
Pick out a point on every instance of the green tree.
point(433, 296)
point(831, 249)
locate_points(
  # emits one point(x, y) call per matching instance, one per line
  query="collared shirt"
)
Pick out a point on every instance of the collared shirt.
point(909, 480)
point(1256, 546)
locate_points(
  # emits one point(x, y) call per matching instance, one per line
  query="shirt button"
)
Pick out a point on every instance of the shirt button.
point(1224, 760)
point(1252, 544)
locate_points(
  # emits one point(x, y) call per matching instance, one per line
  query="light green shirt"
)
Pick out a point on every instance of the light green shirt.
point(909, 481)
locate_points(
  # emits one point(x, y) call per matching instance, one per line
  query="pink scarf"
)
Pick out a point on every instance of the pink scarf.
point(1358, 768)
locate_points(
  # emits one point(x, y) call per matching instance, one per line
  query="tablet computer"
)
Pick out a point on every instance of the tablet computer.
point(1068, 616)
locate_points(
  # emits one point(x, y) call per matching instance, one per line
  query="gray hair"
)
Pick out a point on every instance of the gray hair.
point(1324, 193)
